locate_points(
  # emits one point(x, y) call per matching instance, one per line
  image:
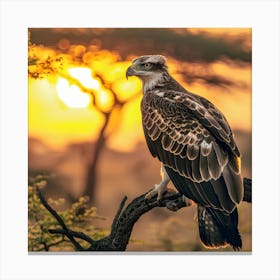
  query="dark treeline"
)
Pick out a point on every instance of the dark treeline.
point(181, 45)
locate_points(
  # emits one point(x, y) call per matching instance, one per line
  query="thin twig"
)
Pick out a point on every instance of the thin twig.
point(59, 220)
point(77, 234)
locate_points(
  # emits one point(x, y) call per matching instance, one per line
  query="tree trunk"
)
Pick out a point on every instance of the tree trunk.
point(91, 176)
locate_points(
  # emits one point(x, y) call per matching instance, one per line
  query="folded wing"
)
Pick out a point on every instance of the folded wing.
point(191, 137)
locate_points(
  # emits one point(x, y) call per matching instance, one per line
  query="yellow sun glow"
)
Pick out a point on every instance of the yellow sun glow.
point(71, 95)
point(84, 75)
point(81, 119)
point(104, 100)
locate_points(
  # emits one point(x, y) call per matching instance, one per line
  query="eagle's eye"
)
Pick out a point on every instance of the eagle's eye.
point(148, 65)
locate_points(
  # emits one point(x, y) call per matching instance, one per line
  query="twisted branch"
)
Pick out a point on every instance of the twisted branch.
point(59, 220)
point(125, 219)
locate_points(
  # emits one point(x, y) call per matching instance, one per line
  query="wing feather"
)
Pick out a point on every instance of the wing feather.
point(155, 133)
point(185, 167)
point(171, 159)
point(192, 151)
point(219, 187)
point(207, 190)
point(214, 168)
point(234, 185)
point(205, 148)
point(196, 175)
point(203, 167)
point(174, 147)
point(234, 164)
point(221, 154)
point(179, 149)
point(199, 195)
point(149, 124)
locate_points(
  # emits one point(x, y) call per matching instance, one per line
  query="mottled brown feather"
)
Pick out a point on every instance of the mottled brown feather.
point(187, 136)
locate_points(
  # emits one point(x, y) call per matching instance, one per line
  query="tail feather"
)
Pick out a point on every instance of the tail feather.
point(218, 229)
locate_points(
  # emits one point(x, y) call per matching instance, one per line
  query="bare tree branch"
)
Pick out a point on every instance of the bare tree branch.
point(125, 219)
point(59, 220)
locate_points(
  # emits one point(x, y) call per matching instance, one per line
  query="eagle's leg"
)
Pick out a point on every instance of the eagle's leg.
point(160, 188)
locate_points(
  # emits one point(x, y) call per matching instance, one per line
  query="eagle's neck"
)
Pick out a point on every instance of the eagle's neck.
point(160, 81)
point(152, 81)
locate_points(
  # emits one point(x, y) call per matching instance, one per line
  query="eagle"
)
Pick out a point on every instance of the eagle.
point(195, 145)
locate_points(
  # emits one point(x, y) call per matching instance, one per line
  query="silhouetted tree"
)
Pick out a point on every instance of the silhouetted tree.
point(39, 68)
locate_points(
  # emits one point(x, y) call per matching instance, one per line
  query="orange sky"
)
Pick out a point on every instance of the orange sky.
point(59, 113)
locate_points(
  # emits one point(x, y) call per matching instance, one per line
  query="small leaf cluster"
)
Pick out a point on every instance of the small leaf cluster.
point(78, 217)
point(42, 61)
point(40, 67)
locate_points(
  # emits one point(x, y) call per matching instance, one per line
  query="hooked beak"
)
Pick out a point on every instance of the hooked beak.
point(130, 72)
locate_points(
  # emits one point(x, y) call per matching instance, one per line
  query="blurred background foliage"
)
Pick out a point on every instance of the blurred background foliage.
point(85, 123)
point(78, 216)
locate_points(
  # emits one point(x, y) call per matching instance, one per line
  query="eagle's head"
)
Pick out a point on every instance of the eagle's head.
point(151, 69)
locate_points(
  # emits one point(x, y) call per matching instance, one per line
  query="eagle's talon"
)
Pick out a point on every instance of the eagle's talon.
point(158, 191)
point(160, 188)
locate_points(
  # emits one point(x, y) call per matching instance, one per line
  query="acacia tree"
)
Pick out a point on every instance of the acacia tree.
point(55, 65)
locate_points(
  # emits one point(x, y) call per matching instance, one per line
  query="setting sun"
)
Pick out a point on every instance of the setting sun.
point(84, 75)
point(71, 95)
